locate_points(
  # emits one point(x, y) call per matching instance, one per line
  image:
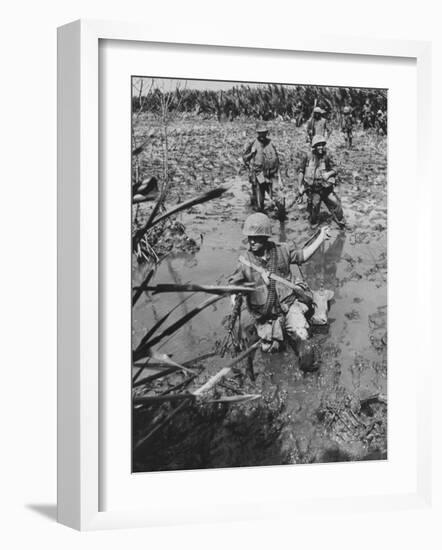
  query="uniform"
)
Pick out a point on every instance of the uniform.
point(263, 160)
point(263, 157)
point(318, 189)
point(275, 307)
point(317, 127)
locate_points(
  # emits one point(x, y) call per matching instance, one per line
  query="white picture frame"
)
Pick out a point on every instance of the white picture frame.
point(79, 293)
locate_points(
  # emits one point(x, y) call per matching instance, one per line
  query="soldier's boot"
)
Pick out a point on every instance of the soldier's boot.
point(334, 205)
point(315, 209)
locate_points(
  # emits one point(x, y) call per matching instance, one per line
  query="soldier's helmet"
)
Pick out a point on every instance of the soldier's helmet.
point(318, 110)
point(346, 109)
point(380, 112)
point(257, 225)
point(262, 129)
point(318, 140)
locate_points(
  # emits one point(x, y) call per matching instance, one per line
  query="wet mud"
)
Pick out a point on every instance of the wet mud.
point(338, 412)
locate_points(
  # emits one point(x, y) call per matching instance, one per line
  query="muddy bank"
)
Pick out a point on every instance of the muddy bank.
point(300, 417)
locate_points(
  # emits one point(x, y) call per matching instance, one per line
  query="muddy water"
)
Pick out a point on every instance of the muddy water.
point(352, 353)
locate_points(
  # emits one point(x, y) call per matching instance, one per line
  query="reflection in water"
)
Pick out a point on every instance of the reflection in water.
point(322, 267)
point(181, 297)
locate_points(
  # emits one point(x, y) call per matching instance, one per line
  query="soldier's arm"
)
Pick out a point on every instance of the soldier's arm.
point(238, 276)
point(301, 172)
point(276, 154)
point(330, 167)
point(312, 246)
point(249, 152)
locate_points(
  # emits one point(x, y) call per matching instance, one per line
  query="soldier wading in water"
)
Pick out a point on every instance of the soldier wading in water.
point(261, 158)
point(316, 178)
point(280, 306)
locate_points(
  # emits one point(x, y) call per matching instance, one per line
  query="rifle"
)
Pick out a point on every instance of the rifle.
point(236, 312)
point(310, 137)
point(299, 289)
point(297, 199)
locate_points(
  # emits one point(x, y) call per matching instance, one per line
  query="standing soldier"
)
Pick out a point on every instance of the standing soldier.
point(317, 124)
point(261, 158)
point(381, 122)
point(347, 125)
point(316, 177)
point(298, 112)
point(279, 304)
point(367, 115)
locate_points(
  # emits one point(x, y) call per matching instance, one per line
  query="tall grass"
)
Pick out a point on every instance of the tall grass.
point(267, 102)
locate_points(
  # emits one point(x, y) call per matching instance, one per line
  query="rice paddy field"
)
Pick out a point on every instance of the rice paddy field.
point(336, 413)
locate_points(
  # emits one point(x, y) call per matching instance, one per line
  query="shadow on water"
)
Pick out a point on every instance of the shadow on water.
point(217, 436)
point(322, 267)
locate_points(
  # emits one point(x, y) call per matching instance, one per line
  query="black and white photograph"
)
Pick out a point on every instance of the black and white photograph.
point(259, 273)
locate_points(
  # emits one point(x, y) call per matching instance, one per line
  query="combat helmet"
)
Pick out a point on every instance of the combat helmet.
point(346, 109)
point(318, 110)
point(262, 129)
point(257, 225)
point(317, 140)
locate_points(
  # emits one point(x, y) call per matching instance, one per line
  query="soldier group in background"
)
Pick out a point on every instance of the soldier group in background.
point(372, 119)
point(316, 171)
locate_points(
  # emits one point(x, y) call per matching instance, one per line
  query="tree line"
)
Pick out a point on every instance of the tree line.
point(266, 102)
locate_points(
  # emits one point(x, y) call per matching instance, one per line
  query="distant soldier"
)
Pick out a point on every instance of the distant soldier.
point(367, 115)
point(317, 124)
point(347, 125)
point(381, 122)
point(261, 158)
point(298, 113)
point(316, 178)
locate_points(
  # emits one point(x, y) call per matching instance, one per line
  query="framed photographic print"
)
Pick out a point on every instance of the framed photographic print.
point(233, 244)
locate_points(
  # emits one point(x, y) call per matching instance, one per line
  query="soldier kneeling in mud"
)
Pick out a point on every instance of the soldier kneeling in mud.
point(316, 178)
point(280, 306)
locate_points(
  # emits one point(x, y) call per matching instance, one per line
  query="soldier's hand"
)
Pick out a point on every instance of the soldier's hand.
point(274, 347)
point(325, 232)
